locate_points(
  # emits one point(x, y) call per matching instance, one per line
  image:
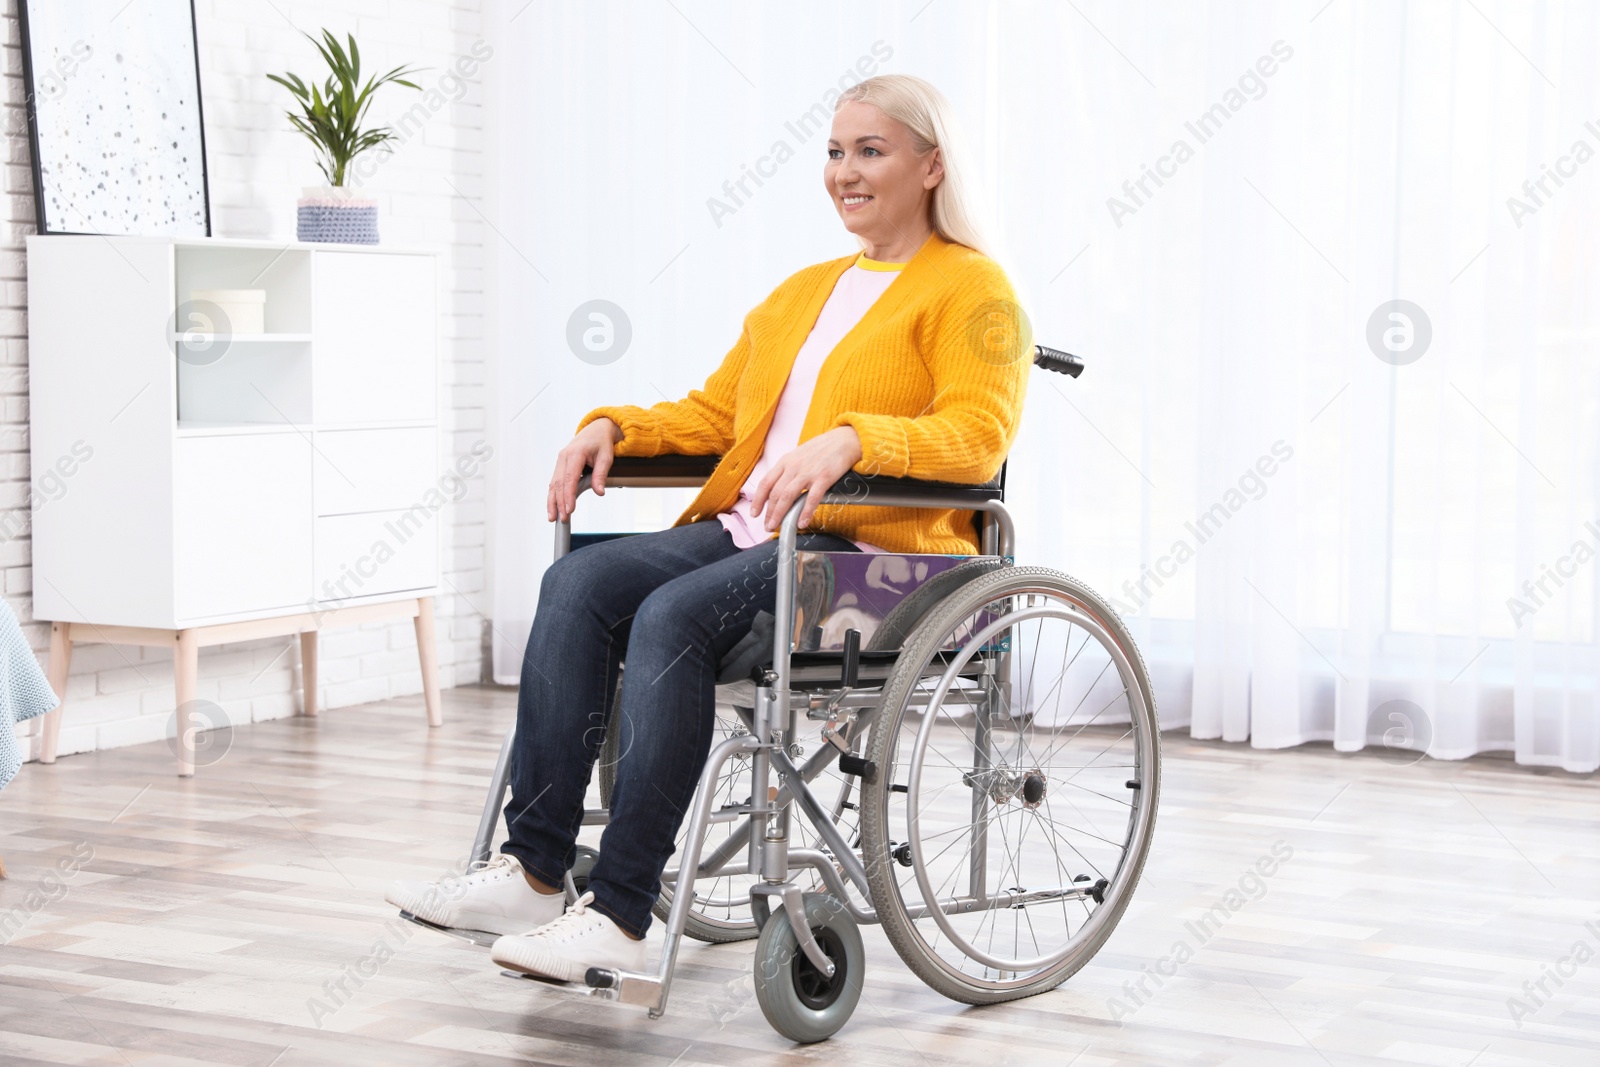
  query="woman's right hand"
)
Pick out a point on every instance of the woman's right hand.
point(592, 447)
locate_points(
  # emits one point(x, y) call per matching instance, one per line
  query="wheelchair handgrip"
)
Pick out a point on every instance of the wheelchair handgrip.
point(1054, 359)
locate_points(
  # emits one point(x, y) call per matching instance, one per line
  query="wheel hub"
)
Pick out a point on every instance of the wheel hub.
point(815, 989)
point(1002, 785)
point(1033, 788)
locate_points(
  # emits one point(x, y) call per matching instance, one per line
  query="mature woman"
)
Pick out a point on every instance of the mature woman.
point(908, 359)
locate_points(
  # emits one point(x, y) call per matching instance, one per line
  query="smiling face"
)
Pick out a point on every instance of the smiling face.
point(880, 186)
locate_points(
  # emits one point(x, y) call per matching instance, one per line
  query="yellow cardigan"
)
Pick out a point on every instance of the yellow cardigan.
point(932, 378)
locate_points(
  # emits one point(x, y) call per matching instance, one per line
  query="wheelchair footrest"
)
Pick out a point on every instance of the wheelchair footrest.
point(477, 937)
point(541, 979)
point(624, 986)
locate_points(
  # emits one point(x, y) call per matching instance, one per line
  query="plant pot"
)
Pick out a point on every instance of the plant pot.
point(338, 214)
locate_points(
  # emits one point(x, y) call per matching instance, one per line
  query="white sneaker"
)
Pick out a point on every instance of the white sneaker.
point(569, 946)
point(492, 896)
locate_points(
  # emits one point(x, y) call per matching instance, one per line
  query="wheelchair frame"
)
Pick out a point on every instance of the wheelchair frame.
point(766, 835)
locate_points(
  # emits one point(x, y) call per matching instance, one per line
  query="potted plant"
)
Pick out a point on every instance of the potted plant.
point(330, 116)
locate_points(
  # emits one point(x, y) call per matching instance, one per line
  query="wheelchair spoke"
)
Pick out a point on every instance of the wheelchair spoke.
point(1061, 676)
point(1115, 800)
point(1102, 752)
point(1097, 837)
point(989, 915)
point(1085, 817)
point(1061, 872)
point(1092, 718)
point(1055, 837)
point(1092, 763)
point(935, 858)
point(1010, 713)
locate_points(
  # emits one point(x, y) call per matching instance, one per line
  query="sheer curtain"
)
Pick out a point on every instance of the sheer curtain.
point(1331, 268)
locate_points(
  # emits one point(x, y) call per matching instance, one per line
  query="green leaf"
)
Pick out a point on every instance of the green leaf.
point(296, 87)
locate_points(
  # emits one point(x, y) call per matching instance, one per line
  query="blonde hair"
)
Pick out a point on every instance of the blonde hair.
point(923, 109)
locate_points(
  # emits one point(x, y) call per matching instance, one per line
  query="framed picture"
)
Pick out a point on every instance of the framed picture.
point(114, 119)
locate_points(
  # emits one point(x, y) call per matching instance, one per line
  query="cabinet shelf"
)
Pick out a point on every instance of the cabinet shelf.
point(220, 427)
point(214, 428)
point(242, 338)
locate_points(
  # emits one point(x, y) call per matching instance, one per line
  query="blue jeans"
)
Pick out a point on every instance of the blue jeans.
point(670, 604)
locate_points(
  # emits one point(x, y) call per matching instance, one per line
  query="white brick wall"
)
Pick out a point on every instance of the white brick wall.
point(124, 695)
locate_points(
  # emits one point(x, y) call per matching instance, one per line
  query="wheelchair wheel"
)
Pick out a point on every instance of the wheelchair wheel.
point(799, 1001)
point(1017, 771)
point(722, 912)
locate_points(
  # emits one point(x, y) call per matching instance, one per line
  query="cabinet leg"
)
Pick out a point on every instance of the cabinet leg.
point(60, 665)
point(185, 670)
point(308, 672)
point(428, 656)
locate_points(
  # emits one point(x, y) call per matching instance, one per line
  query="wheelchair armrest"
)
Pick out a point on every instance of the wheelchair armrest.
point(678, 471)
point(877, 488)
point(659, 471)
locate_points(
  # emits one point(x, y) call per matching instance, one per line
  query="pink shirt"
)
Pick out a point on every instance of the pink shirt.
point(856, 290)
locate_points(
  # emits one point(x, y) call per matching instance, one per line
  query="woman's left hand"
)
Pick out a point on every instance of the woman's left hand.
point(811, 468)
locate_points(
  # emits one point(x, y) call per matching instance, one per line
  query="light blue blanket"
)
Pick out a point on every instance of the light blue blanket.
point(24, 691)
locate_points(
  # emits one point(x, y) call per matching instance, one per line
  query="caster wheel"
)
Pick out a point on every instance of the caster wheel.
point(582, 864)
point(798, 1000)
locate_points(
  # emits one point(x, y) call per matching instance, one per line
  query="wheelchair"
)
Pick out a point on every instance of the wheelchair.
point(976, 768)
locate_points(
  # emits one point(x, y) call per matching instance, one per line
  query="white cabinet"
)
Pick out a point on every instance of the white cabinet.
point(231, 477)
point(376, 552)
point(374, 470)
point(242, 524)
point(374, 367)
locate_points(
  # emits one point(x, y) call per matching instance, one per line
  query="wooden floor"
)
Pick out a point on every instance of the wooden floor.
point(153, 920)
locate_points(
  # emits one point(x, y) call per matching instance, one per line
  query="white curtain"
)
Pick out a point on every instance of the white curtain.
point(1318, 507)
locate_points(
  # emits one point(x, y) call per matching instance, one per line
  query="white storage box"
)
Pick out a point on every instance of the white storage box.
point(246, 309)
